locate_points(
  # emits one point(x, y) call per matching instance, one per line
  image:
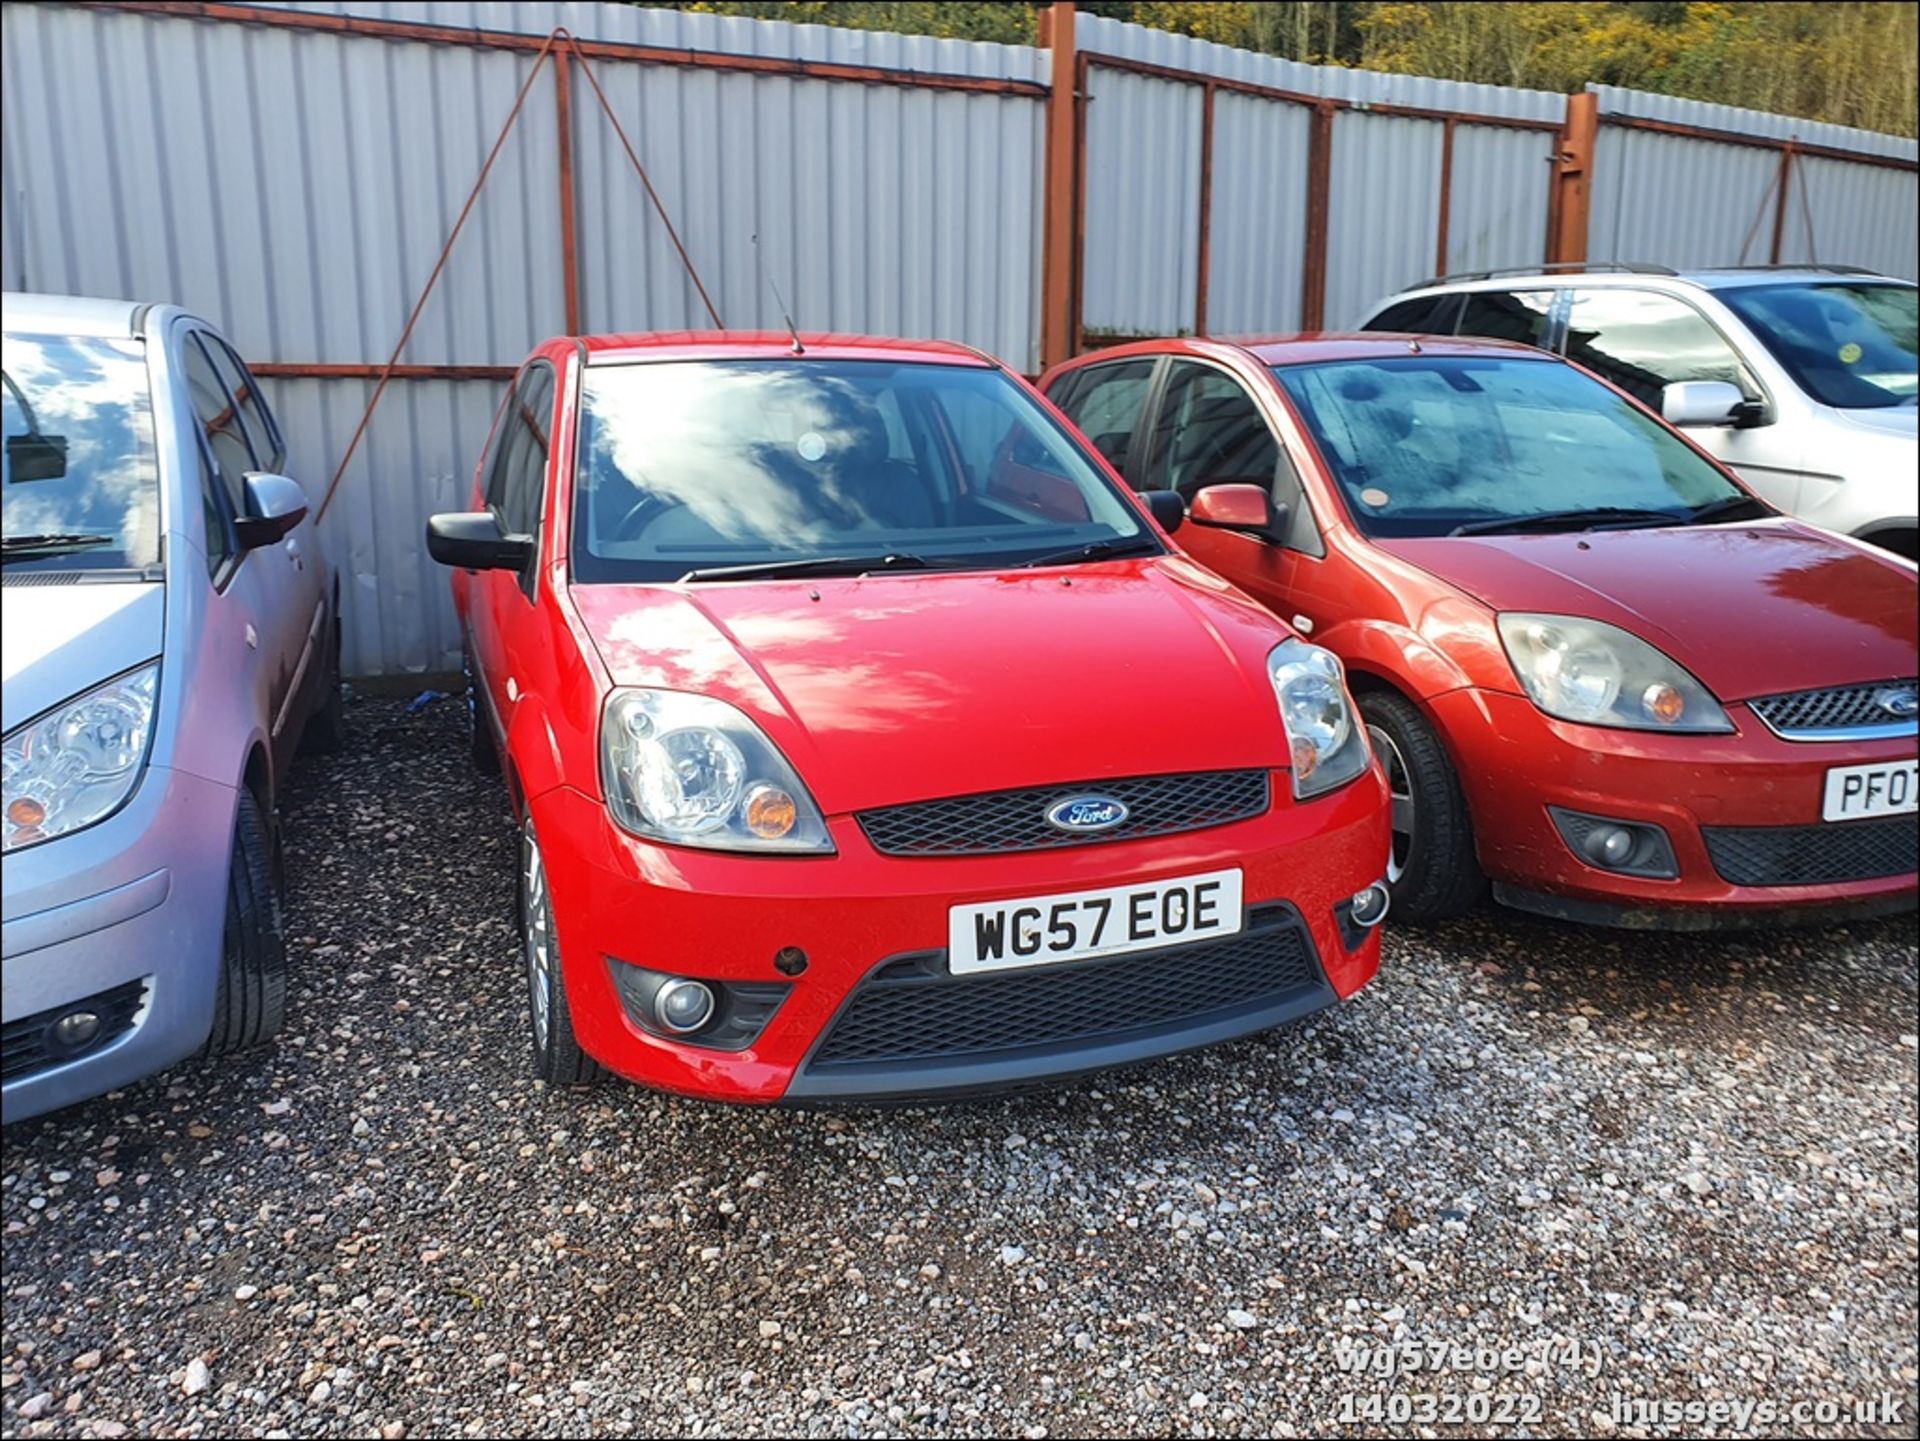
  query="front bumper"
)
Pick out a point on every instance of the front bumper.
point(126, 918)
point(858, 914)
point(1515, 762)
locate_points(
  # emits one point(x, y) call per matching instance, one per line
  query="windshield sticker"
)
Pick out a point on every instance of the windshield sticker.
point(810, 446)
point(1850, 352)
point(1375, 497)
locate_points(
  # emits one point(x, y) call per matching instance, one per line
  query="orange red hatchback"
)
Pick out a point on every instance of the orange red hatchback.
point(1598, 670)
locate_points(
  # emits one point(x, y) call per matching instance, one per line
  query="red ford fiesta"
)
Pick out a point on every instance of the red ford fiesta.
point(869, 739)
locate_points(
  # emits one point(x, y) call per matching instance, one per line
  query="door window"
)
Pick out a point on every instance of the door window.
point(1508, 315)
point(1104, 401)
point(220, 422)
point(1209, 432)
point(1643, 342)
point(268, 451)
point(516, 488)
point(1423, 315)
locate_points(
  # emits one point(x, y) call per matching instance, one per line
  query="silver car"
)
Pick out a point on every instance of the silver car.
point(1801, 378)
point(169, 633)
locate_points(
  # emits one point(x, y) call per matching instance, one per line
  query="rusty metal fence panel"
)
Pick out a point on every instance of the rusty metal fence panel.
point(1685, 183)
point(295, 185)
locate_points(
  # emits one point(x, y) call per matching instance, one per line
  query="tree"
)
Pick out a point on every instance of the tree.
point(1848, 61)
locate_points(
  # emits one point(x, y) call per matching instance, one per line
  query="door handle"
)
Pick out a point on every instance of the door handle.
point(293, 550)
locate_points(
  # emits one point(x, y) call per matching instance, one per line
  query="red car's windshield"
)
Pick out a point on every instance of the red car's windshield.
point(692, 469)
point(1431, 445)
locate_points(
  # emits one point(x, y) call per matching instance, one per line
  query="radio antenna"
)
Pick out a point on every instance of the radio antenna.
point(792, 332)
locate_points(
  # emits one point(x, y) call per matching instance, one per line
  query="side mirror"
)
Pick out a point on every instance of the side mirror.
point(473, 540)
point(1166, 508)
point(1702, 402)
point(277, 504)
point(1248, 509)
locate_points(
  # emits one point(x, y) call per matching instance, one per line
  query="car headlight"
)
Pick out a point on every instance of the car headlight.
point(1597, 674)
point(77, 763)
point(695, 771)
point(1327, 745)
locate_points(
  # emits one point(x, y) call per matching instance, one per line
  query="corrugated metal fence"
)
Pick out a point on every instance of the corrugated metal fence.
point(291, 171)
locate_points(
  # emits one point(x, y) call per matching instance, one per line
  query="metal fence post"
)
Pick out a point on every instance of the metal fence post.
point(1059, 272)
point(563, 131)
point(1573, 180)
point(1313, 279)
point(1206, 209)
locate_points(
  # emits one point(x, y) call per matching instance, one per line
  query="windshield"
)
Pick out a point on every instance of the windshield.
point(81, 489)
point(1427, 445)
point(702, 466)
point(1849, 345)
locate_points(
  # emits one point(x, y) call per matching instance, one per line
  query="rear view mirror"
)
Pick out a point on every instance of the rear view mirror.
point(36, 457)
point(276, 504)
point(473, 540)
point(1166, 508)
point(1702, 402)
point(1248, 509)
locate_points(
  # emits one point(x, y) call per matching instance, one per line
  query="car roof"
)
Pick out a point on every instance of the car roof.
point(70, 314)
point(773, 344)
point(1644, 277)
point(1313, 347)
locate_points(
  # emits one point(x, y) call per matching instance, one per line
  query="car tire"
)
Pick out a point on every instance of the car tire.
point(1433, 871)
point(557, 1057)
point(251, 1002)
point(327, 726)
point(480, 747)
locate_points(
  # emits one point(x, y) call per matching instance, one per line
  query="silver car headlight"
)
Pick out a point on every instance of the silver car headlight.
point(1597, 674)
point(77, 763)
point(695, 771)
point(1327, 745)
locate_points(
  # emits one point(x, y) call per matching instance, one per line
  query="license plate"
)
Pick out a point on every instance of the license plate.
point(1077, 925)
point(1891, 788)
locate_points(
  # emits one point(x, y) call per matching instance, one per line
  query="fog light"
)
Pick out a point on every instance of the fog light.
point(1627, 848)
point(76, 1028)
point(683, 1006)
point(1608, 846)
point(1370, 905)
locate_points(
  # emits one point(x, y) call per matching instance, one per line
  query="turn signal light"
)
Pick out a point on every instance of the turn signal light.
point(770, 812)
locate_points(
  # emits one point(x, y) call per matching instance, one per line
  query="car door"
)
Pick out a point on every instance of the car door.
point(501, 602)
point(1208, 428)
point(292, 568)
point(1643, 340)
point(236, 651)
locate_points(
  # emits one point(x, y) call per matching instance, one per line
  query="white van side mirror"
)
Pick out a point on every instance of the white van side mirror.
point(1701, 402)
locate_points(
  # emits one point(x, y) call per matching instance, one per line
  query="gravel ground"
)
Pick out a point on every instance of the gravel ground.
point(1694, 1158)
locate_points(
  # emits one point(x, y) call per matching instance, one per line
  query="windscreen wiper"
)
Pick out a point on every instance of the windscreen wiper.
point(1724, 507)
point(811, 565)
point(1595, 518)
point(33, 547)
point(1097, 550)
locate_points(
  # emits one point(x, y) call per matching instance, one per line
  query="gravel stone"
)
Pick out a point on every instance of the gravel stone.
point(1711, 1185)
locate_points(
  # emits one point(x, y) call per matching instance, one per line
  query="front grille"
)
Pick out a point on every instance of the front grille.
point(1001, 821)
point(1814, 855)
point(1811, 714)
point(27, 1045)
point(911, 1009)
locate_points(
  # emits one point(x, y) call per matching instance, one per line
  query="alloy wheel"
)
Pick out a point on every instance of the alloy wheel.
point(1400, 789)
point(536, 937)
